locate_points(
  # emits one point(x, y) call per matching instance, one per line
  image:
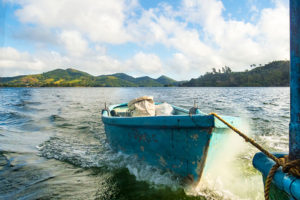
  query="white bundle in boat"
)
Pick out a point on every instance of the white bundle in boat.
point(164, 109)
point(142, 106)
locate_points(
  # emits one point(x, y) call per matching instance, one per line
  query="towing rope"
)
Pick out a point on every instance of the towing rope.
point(291, 167)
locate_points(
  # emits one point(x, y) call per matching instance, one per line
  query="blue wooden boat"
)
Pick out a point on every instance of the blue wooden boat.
point(178, 143)
point(285, 186)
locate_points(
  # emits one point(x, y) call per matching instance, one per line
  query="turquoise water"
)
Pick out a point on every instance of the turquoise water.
point(53, 145)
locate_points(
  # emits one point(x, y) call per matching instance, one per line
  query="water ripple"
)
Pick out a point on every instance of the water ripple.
point(72, 157)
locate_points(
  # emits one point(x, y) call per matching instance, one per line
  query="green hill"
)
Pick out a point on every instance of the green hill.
point(112, 81)
point(275, 73)
point(272, 74)
point(146, 80)
point(58, 77)
point(72, 78)
point(67, 74)
point(125, 77)
point(165, 80)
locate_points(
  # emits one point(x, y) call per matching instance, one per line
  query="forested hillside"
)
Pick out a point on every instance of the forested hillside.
point(275, 73)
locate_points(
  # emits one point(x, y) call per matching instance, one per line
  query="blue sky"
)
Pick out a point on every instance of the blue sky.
point(178, 38)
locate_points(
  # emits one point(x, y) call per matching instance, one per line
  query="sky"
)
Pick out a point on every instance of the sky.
point(182, 39)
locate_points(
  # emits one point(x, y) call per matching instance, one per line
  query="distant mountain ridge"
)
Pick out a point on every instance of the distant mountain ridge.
point(72, 78)
point(275, 73)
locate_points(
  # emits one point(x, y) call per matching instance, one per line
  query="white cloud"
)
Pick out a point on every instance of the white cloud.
point(274, 30)
point(142, 64)
point(197, 31)
point(231, 42)
point(217, 43)
point(38, 36)
point(202, 12)
point(101, 21)
point(74, 44)
point(179, 65)
point(13, 62)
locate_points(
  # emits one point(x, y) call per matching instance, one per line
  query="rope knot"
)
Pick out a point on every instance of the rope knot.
point(290, 167)
point(283, 162)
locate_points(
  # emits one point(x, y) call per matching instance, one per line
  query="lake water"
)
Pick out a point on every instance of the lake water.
point(53, 144)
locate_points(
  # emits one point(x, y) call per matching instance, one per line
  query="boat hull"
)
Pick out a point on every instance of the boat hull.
point(176, 143)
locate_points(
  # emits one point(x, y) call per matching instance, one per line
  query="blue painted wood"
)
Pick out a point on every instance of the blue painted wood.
point(178, 143)
point(163, 121)
point(287, 183)
point(294, 143)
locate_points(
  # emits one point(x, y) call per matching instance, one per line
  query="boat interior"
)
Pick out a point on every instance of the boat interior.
point(121, 110)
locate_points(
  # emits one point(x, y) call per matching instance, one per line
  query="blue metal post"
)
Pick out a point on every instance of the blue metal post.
point(295, 79)
point(284, 185)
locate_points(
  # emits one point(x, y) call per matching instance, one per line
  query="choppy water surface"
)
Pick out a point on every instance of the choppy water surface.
point(53, 145)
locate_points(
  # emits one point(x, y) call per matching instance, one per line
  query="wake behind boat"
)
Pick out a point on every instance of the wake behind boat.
point(177, 140)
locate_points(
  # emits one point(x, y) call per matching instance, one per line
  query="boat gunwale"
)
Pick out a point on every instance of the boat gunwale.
point(175, 121)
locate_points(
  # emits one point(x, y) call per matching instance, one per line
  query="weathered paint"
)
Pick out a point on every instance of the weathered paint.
point(295, 79)
point(286, 186)
point(177, 143)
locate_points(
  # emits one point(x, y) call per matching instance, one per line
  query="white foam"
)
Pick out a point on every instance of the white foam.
point(227, 176)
